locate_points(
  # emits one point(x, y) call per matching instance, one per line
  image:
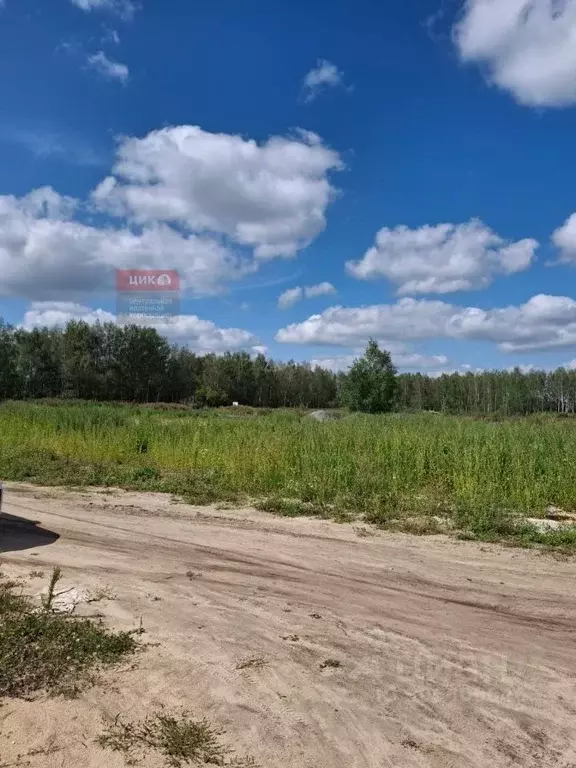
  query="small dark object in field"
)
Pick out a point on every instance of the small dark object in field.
point(315, 616)
point(256, 662)
point(334, 663)
point(291, 638)
point(411, 744)
point(143, 446)
point(193, 575)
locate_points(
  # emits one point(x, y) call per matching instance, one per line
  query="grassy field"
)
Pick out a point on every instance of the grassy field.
point(423, 473)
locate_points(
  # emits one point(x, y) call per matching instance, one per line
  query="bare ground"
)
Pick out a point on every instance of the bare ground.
point(451, 654)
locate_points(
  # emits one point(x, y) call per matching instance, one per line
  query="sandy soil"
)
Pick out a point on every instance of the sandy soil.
point(452, 654)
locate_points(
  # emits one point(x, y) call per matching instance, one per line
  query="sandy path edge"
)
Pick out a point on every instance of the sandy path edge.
point(451, 653)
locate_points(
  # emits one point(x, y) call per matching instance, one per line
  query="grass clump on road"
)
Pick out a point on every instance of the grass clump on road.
point(180, 740)
point(43, 651)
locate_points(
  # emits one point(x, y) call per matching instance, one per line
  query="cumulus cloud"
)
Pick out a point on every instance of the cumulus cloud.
point(353, 327)
point(110, 70)
point(290, 297)
point(543, 322)
point(324, 75)
point(565, 239)
point(271, 197)
point(202, 336)
point(443, 258)
point(123, 8)
point(528, 47)
point(185, 199)
point(293, 295)
point(320, 289)
point(56, 314)
point(46, 254)
point(402, 360)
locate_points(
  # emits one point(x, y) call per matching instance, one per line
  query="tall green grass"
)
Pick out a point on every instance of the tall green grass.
point(361, 463)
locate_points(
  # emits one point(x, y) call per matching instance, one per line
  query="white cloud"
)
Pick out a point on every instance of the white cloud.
point(565, 239)
point(204, 336)
point(45, 253)
point(56, 314)
point(308, 137)
point(339, 326)
point(271, 197)
point(289, 297)
point(201, 336)
point(402, 360)
point(111, 70)
point(222, 190)
point(527, 46)
point(443, 258)
point(123, 8)
point(293, 295)
point(543, 322)
point(320, 289)
point(324, 75)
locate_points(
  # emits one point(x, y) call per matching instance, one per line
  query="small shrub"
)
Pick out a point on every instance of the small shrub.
point(254, 662)
point(292, 508)
point(179, 740)
point(330, 663)
point(43, 651)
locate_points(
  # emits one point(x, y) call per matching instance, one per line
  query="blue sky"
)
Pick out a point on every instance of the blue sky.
point(403, 170)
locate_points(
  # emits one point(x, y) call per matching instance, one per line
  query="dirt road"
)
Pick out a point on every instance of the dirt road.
point(451, 654)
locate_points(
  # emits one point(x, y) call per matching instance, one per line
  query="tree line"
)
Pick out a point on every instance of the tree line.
point(109, 362)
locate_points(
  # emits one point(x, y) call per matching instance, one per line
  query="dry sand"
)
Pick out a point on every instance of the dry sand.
point(452, 654)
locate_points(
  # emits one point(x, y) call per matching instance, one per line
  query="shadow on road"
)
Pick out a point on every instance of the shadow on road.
point(18, 533)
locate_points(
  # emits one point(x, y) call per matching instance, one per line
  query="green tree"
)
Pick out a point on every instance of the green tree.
point(10, 384)
point(370, 385)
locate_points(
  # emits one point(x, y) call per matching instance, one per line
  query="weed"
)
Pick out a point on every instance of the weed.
point(362, 532)
point(180, 740)
point(102, 593)
point(193, 575)
point(48, 599)
point(418, 526)
point(44, 651)
point(254, 662)
point(292, 507)
point(332, 663)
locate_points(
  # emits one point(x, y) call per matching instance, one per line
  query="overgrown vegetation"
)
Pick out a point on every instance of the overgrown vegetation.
point(180, 740)
point(426, 473)
point(41, 650)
